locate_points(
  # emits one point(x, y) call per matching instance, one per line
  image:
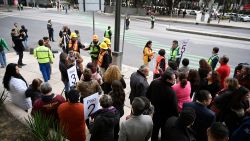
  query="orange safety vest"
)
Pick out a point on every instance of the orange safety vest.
point(100, 58)
point(158, 60)
point(75, 46)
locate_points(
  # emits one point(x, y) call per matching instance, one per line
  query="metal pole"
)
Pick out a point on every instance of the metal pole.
point(117, 25)
point(93, 22)
point(123, 37)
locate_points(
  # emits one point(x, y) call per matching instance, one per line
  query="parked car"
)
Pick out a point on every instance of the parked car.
point(245, 18)
point(192, 12)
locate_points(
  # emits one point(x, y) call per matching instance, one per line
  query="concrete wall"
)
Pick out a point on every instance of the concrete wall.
point(125, 10)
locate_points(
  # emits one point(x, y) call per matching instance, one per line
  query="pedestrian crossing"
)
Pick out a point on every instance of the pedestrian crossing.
point(86, 20)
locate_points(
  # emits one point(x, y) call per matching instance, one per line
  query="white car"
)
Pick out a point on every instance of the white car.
point(245, 18)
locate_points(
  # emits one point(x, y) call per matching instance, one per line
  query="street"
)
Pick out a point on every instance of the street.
point(135, 38)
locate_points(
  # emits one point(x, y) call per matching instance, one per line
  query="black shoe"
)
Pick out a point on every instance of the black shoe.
point(19, 66)
point(23, 64)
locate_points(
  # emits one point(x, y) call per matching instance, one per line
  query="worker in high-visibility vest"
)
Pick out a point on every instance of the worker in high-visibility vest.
point(44, 57)
point(214, 59)
point(74, 43)
point(175, 55)
point(104, 58)
point(108, 33)
point(94, 49)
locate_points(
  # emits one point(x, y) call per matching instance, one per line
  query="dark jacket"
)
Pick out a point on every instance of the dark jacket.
point(107, 60)
point(163, 98)
point(18, 43)
point(244, 81)
point(104, 122)
point(106, 87)
point(213, 88)
point(63, 69)
point(204, 119)
point(33, 94)
point(242, 133)
point(138, 85)
point(175, 131)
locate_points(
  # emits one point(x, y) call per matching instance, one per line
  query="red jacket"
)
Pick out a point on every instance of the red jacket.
point(71, 116)
point(48, 105)
point(224, 72)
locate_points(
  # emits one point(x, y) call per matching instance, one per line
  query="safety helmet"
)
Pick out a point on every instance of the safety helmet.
point(107, 41)
point(103, 45)
point(95, 37)
point(73, 34)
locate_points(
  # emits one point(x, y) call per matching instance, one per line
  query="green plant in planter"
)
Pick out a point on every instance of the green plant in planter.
point(45, 128)
point(3, 96)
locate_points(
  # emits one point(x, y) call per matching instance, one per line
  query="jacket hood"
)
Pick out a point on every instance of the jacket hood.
point(110, 116)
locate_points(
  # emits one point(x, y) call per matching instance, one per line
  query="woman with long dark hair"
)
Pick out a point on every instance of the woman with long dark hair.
point(182, 90)
point(148, 53)
point(194, 79)
point(213, 83)
point(16, 85)
point(118, 97)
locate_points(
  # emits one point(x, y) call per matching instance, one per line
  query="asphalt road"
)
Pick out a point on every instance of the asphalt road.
point(135, 38)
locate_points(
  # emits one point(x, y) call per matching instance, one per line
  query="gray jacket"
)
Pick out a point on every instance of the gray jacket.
point(136, 128)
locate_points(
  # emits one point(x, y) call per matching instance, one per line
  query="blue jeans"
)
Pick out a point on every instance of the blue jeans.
point(3, 58)
point(25, 43)
point(45, 69)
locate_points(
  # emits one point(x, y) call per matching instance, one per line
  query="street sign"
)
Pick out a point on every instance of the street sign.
point(72, 75)
point(91, 105)
point(94, 5)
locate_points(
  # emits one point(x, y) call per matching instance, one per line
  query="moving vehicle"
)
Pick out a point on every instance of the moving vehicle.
point(245, 18)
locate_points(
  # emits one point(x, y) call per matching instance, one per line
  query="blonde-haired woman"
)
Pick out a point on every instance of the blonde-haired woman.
point(111, 74)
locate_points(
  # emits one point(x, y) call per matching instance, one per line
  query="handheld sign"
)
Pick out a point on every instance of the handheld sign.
point(183, 47)
point(91, 105)
point(72, 75)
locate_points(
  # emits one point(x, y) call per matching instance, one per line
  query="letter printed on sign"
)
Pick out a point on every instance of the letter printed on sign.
point(72, 75)
point(91, 105)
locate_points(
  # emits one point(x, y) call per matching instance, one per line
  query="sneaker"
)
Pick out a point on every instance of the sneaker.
point(23, 64)
point(2, 66)
point(19, 66)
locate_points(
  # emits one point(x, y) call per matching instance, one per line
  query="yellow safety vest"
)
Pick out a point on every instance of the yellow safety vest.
point(43, 55)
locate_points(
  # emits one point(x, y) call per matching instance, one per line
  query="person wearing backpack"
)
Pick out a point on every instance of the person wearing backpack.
point(3, 45)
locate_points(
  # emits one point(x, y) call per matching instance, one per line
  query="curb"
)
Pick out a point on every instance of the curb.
point(211, 34)
point(184, 22)
point(175, 21)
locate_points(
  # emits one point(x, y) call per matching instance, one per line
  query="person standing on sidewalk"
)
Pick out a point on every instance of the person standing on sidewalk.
point(74, 43)
point(213, 60)
point(94, 49)
point(104, 58)
point(3, 45)
point(223, 70)
point(152, 17)
point(24, 32)
point(163, 98)
point(108, 33)
point(148, 54)
point(44, 57)
point(50, 30)
point(18, 46)
point(138, 83)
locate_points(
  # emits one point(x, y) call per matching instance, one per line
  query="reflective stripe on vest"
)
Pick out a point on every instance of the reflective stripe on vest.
point(75, 45)
point(158, 60)
point(100, 58)
point(94, 50)
point(212, 58)
point(42, 53)
point(107, 33)
point(174, 53)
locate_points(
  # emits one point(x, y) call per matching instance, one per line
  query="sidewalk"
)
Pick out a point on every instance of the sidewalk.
point(31, 71)
point(196, 30)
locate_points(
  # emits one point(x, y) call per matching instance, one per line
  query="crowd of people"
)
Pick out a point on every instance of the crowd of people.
point(203, 104)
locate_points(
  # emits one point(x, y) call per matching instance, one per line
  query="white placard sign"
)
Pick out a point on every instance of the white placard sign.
point(184, 45)
point(72, 75)
point(91, 105)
